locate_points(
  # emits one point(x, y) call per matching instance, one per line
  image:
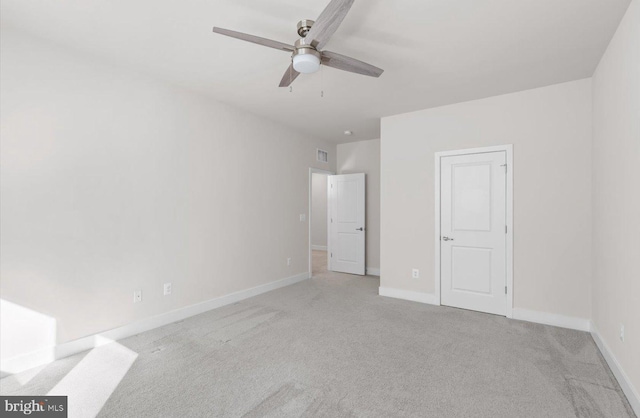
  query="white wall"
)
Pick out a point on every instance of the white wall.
point(364, 157)
point(112, 182)
point(319, 210)
point(616, 195)
point(550, 129)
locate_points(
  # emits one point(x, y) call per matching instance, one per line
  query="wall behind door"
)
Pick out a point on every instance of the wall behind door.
point(319, 211)
point(550, 128)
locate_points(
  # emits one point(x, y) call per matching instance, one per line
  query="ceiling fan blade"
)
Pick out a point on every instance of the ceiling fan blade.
point(289, 76)
point(342, 62)
point(255, 39)
point(328, 22)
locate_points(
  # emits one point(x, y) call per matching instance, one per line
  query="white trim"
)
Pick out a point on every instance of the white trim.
point(373, 271)
point(623, 380)
point(580, 324)
point(509, 221)
point(437, 230)
point(562, 321)
point(38, 358)
point(319, 171)
point(508, 149)
point(319, 247)
point(481, 150)
point(428, 298)
point(28, 361)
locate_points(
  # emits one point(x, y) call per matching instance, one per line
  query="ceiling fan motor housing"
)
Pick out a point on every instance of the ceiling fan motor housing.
point(306, 59)
point(308, 54)
point(304, 26)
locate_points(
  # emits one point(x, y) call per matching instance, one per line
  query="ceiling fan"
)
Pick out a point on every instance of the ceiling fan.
point(307, 53)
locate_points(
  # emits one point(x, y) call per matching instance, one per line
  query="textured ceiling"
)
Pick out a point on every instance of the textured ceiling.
point(434, 52)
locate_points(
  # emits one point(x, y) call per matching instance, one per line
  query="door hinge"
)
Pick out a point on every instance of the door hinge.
point(331, 255)
point(505, 229)
point(505, 290)
point(331, 220)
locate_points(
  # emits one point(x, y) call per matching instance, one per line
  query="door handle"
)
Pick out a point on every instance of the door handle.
point(360, 229)
point(447, 239)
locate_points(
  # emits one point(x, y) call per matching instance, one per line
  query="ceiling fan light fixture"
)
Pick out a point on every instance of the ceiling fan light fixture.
point(308, 52)
point(306, 63)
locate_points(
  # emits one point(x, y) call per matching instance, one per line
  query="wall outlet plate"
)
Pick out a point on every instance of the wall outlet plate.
point(303, 217)
point(167, 289)
point(288, 261)
point(137, 296)
point(622, 333)
point(415, 273)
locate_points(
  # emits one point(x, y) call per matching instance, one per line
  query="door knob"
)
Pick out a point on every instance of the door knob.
point(360, 229)
point(447, 239)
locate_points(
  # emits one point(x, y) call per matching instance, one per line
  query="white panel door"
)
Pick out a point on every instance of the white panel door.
point(473, 232)
point(347, 223)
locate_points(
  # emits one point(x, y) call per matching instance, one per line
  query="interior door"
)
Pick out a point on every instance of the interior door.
point(347, 223)
point(473, 232)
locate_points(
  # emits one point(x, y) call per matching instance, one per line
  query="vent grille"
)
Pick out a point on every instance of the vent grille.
point(322, 156)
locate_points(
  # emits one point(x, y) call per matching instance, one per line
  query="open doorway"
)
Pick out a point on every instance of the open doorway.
point(318, 221)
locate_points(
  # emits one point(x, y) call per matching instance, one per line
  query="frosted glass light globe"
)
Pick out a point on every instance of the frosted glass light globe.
point(306, 63)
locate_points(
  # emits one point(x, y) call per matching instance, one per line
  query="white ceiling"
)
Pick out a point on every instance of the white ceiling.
point(434, 52)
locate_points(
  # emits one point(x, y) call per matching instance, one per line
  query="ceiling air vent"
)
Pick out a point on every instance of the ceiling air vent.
point(322, 156)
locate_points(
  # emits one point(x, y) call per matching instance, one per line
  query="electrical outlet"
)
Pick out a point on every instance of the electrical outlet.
point(303, 217)
point(288, 261)
point(137, 296)
point(167, 289)
point(622, 333)
point(415, 273)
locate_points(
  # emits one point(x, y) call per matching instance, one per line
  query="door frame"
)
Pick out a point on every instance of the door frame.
point(508, 149)
point(311, 172)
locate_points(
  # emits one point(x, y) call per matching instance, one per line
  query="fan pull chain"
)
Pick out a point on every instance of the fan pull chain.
point(321, 81)
point(290, 77)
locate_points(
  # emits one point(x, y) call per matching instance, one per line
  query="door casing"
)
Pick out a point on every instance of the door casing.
point(508, 149)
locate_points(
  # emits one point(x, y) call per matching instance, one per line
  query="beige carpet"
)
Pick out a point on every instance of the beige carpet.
point(331, 347)
point(319, 262)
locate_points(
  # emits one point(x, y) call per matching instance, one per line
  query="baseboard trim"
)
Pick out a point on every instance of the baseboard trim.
point(47, 355)
point(411, 295)
point(562, 321)
point(28, 360)
point(373, 271)
point(623, 380)
point(319, 247)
